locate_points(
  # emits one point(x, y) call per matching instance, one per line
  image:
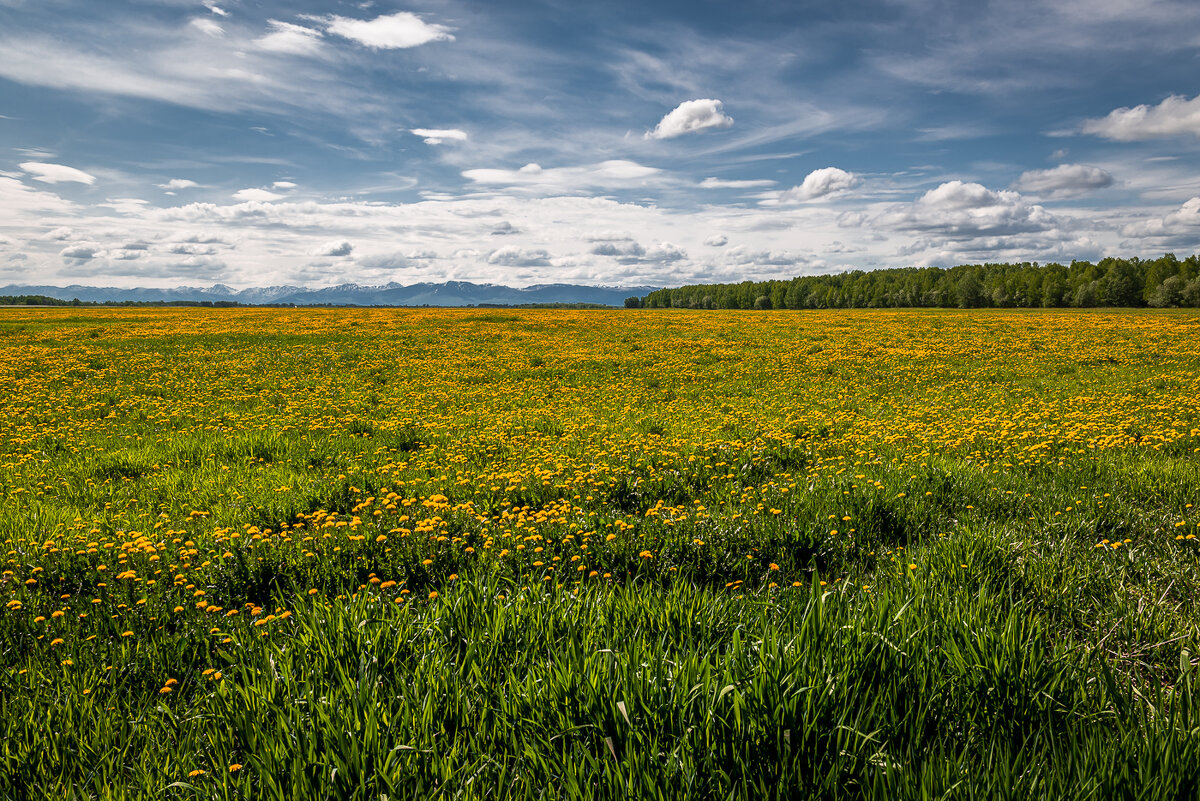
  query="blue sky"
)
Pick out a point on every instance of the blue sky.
point(169, 142)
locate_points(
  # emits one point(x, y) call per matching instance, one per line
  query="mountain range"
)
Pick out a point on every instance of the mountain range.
point(449, 293)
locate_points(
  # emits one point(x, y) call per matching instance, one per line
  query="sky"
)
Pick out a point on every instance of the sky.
point(261, 142)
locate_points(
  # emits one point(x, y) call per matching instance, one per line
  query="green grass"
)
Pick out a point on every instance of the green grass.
point(910, 563)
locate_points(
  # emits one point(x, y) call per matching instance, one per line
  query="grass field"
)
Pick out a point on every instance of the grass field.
point(366, 554)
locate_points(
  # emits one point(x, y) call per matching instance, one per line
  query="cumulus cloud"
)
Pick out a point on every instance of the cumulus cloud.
point(260, 195)
point(504, 228)
point(1065, 180)
point(691, 116)
point(178, 183)
point(962, 210)
point(56, 173)
point(1173, 116)
point(59, 234)
point(720, 183)
point(818, 184)
point(519, 257)
point(391, 31)
point(717, 241)
point(286, 37)
point(339, 247)
point(435, 136)
point(615, 173)
point(630, 252)
point(1184, 221)
point(82, 251)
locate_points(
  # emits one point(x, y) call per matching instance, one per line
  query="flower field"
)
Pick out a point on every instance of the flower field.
point(485, 553)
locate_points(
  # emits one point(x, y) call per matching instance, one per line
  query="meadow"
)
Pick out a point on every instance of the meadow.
point(485, 553)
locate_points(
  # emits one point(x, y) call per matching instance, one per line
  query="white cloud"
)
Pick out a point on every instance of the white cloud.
point(613, 174)
point(1173, 116)
point(220, 12)
point(283, 185)
point(56, 173)
point(518, 257)
point(400, 30)
point(717, 241)
point(435, 136)
point(206, 25)
point(339, 247)
point(817, 184)
point(721, 183)
point(178, 183)
point(959, 210)
point(691, 116)
point(59, 234)
point(1184, 221)
point(1065, 180)
point(260, 195)
point(286, 37)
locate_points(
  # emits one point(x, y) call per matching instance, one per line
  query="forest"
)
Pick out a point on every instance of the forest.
point(1111, 282)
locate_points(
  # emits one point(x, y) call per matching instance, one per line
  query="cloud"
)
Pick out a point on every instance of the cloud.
point(392, 31)
point(60, 234)
point(504, 228)
point(1065, 180)
point(518, 257)
point(959, 210)
point(339, 247)
point(207, 26)
point(720, 183)
point(691, 116)
point(286, 37)
point(178, 183)
point(260, 195)
point(615, 174)
point(283, 185)
point(435, 136)
point(717, 241)
point(630, 252)
point(1173, 116)
point(56, 173)
point(220, 12)
point(818, 184)
point(81, 252)
point(1182, 222)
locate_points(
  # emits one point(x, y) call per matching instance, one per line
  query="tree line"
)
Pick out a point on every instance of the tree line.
point(1164, 283)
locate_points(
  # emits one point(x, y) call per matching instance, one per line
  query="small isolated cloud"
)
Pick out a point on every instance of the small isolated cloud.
point(60, 234)
point(283, 185)
point(435, 136)
point(616, 173)
point(340, 247)
point(1065, 180)
point(81, 252)
point(178, 183)
point(261, 195)
point(220, 12)
point(206, 25)
point(519, 257)
point(286, 37)
point(56, 173)
point(818, 184)
point(630, 252)
point(717, 241)
point(504, 229)
point(391, 31)
point(691, 116)
point(721, 183)
point(965, 210)
point(1173, 116)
